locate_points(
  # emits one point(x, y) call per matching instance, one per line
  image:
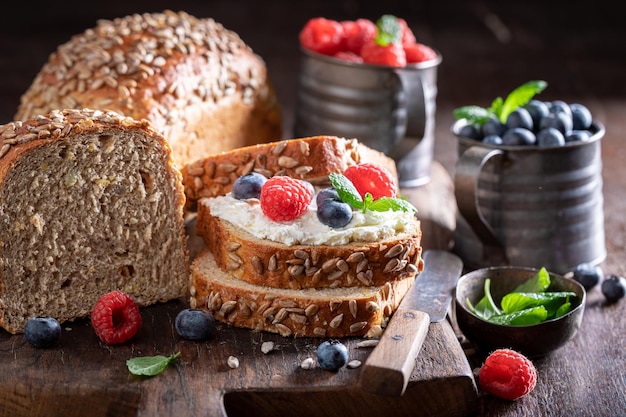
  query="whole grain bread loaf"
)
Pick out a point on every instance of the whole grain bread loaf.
point(327, 312)
point(310, 159)
point(198, 83)
point(274, 264)
point(90, 202)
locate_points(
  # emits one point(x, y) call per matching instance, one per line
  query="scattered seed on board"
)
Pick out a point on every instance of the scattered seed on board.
point(367, 343)
point(308, 363)
point(354, 364)
point(233, 362)
point(267, 347)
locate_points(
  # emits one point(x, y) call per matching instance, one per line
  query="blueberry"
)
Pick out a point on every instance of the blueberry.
point(550, 137)
point(581, 116)
point(470, 131)
point(588, 275)
point(332, 355)
point(325, 193)
point(520, 117)
point(334, 213)
point(42, 332)
point(538, 110)
point(195, 324)
point(559, 106)
point(558, 120)
point(578, 136)
point(518, 137)
point(492, 140)
point(492, 127)
point(248, 186)
point(613, 288)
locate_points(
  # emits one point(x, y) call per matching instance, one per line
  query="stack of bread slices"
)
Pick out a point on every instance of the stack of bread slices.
point(312, 290)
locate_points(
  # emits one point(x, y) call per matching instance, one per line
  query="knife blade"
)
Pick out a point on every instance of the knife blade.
point(389, 366)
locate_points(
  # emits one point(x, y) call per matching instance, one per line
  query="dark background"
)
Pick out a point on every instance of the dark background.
point(489, 47)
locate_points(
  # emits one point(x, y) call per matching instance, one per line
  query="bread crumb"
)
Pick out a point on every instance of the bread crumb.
point(354, 364)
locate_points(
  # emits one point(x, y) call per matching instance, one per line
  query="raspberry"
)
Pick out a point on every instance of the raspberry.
point(115, 317)
point(507, 374)
point(357, 33)
point(372, 178)
point(284, 199)
point(322, 35)
point(417, 52)
point(391, 55)
point(408, 37)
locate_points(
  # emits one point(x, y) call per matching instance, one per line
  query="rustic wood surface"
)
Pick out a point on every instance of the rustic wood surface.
point(489, 47)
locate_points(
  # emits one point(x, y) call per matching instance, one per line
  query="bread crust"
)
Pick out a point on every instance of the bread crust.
point(198, 83)
point(330, 312)
point(64, 234)
point(273, 264)
point(312, 159)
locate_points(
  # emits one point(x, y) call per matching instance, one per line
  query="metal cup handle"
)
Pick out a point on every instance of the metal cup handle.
point(468, 168)
point(411, 133)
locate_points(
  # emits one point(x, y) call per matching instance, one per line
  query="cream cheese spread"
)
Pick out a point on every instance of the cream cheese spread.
point(308, 230)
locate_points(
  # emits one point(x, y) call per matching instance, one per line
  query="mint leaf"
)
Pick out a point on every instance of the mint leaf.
point(501, 109)
point(346, 190)
point(388, 203)
point(389, 30)
point(519, 97)
point(524, 317)
point(149, 365)
point(486, 307)
point(539, 283)
point(473, 114)
point(516, 301)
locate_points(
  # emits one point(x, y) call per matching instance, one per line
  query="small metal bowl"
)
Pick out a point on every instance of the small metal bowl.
point(533, 340)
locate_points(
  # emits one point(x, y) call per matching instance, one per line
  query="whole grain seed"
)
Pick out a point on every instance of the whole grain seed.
point(307, 363)
point(283, 330)
point(358, 326)
point(257, 264)
point(334, 305)
point(267, 347)
point(336, 321)
point(353, 307)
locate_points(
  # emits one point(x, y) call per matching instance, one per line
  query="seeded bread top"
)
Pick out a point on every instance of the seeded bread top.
point(133, 61)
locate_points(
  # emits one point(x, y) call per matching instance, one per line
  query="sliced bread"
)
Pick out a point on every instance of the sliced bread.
point(90, 202)
point(310, 159)
point(329, 312)
point(275, 264)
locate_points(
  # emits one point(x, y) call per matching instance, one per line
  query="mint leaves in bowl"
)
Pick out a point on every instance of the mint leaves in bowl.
point(527, 309)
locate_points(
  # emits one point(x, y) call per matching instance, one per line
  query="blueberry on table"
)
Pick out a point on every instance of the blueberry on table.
point(613, 288)
point(42, 332)
point(588, 275)
point(195, 324)
point(332, 355)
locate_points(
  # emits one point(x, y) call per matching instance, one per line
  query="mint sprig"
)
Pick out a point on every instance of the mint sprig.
point(388, 30)
point(349, 194)
point(149, 365)
point(501, 109)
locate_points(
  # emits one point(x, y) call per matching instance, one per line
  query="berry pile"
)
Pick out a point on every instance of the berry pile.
point(537, 123)
point(388, 42)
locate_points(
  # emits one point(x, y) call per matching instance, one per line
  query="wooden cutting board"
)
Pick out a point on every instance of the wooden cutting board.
point(83, 377)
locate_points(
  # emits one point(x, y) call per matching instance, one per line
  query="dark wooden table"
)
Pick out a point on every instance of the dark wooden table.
point(489, 47)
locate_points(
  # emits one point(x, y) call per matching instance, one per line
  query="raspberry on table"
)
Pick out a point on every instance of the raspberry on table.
point(372, 178)
point(284, 199)
point(322, 35)
point(116, 317)
point(507, 374)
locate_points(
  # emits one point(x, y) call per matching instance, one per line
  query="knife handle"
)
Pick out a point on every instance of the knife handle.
point(388, 368)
